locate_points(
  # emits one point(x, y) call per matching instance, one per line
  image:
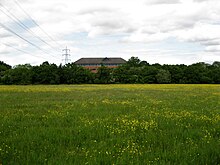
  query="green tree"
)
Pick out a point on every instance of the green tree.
point(131, 72)
point(177, 73)
point(103, 76)
point(20, 75)
point(148, 74)
point(216, 64)
point(67, 73)
point(83, 76)
point(73, 74)
point(133, 62)
point(144, 63)
point(125, 74)
point(214, 72)
point(3, 67)
point(163, 76)
point(120, 74)
point(135, 75)
point(45, 74)
point(197, 73)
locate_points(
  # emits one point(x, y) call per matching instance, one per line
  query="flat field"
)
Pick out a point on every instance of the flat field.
point(110, 124)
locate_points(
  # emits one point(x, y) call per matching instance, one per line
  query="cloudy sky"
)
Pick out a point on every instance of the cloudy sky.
point(158, 31)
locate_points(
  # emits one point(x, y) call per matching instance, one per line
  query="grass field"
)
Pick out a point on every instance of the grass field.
point(110, 124)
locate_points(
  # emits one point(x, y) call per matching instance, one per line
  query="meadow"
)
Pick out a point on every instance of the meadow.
point(110, 124)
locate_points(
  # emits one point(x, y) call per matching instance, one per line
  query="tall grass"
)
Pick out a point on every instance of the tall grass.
point(110, 124)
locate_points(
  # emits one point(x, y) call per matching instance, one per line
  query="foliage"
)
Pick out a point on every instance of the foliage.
point(163, 76)
point(110, 124)
point(134, 62)
point(19, 75)
point(3, 67)
point(73, 74)
point(134, 71)
point(46, 74)
point(197, 73)
point(103, 75)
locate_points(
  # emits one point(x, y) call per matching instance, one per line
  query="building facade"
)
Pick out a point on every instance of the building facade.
point(94, 63)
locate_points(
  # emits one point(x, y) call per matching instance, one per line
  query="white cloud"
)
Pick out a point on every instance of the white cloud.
point(3, 33)
point(205, 34)
point(215, 48)
point(100, 27)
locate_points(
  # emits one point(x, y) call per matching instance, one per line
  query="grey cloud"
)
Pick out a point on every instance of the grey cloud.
point(168, 23)
point(210, 42)
point(108, 27)
point(5, 52)
point(203, 40)
point(106, 21)
point(149, 30)
point(155, 2)
point(174, 21)
point(4, 35)
point(200, 0)
point(95, 10)
point(176, 25)
point(110, 24)
point(114, 24)
point(130, 29)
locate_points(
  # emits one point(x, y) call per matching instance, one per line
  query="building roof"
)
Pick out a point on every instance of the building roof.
point(100, 61)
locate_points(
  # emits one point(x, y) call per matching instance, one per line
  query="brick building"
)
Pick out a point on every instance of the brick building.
point(94, 63)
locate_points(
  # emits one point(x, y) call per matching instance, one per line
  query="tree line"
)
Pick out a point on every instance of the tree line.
point(133, 71)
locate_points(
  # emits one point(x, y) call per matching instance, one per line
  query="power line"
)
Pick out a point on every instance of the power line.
point(22, 25)
point(17, 3)
point(20, 50)
point(26, 28)
point(11, 31)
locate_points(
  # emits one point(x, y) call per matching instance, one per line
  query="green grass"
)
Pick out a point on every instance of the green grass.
point(110, 124)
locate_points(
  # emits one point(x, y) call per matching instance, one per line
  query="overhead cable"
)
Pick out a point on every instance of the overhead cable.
point(13, 32)
point(28, 15)
point(20, 50)
point(23, 26)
